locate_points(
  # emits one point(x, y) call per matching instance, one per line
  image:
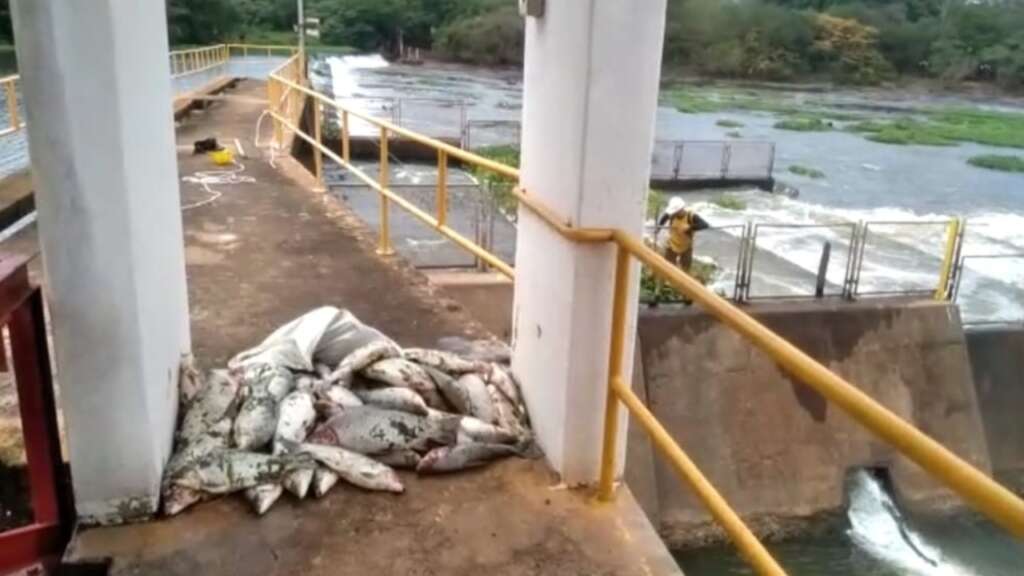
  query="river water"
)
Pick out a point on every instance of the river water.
point(865, 181)
point(920, 187)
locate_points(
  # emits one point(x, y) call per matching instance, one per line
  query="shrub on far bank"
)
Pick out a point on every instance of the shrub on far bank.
point(491, 38)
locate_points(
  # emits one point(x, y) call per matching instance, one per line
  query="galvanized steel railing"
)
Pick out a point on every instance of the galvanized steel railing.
point(979, 490)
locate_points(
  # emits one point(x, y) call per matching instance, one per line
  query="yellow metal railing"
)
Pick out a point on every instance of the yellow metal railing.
point(195, 60)
point(14, 121)
point(976, 488)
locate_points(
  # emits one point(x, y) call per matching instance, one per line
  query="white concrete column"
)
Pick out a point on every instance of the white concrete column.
point(97, 91)
point(592, 69)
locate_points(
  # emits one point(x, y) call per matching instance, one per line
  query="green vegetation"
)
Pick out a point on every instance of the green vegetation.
point(849, 41)
point(998, 162)
point(652, 289)
point(854, 41)
point(804, 124)
point(726, 123)
point(656, 202)
point(729, 202)
point(498, 185)
point(734, 134)
point(946, 127)
point(806, 171)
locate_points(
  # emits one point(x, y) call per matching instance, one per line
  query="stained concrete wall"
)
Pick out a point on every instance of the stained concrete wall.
point(997, 361)
point(776, 449)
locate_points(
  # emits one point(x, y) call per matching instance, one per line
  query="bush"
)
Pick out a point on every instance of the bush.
point(998, 162)
point(493, 38)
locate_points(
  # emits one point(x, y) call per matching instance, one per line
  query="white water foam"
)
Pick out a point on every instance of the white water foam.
point(877, 527)
point(343, 75)
point(897, 256)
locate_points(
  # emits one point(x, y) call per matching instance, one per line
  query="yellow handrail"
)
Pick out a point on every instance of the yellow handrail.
point(975, 487)
point(14, 122)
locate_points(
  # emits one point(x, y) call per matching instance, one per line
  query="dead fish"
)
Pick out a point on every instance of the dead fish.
point(454, 393)
point(405, 374)
point(305, 383)
point(500, 379)
point(264, 496)
point(473, 430)
point(362, 357)
point(298, 481)
point(218, 399)
point(188, 453)
point(341, 396)
point(256, 422)
point(402, 459)
point(370, 430)
point(443, 361)
point(504, 413)
point(261, 379)
point(323, 480)
point(280, 384)
point(295, 418)
point(402, 399)
point(356, 469)
point(190, 380)
point(178, 498)
point(479, 402)
point(462, 456)
point(229, 471)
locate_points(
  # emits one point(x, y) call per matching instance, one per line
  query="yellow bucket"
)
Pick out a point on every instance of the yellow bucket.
point(222, 157)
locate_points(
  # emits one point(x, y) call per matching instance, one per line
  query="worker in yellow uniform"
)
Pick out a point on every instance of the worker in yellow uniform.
point(682, 225)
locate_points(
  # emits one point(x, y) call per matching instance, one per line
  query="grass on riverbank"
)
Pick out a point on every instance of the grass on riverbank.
point(806, 171)
point(998, 162)
point(727, 123)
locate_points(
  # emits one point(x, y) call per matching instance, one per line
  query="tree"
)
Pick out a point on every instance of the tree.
point(201, 21)
point(851, 48)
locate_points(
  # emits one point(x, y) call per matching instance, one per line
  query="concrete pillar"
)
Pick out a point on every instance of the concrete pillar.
point(98, 97)
point(592, 69)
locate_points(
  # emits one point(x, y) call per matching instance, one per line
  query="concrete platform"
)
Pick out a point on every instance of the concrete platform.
point(264, 252)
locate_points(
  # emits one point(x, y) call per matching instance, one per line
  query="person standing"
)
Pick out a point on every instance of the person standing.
point(682, 225)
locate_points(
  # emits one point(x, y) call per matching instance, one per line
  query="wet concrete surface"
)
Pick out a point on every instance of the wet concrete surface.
point(265, 252)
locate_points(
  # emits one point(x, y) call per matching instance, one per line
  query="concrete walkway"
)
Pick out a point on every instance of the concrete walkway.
point(264, 252)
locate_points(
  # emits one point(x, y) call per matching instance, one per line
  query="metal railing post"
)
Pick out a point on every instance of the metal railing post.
point(620, 304)
point(384, 246)
point(245, 50)
point(274, 95)
point(318, 155)
point(346, 147)
point(949, 254)
point(442, 188)
point(12, 104)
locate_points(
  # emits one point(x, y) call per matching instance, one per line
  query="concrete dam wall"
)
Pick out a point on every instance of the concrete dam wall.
point(776, 450)
point(997, 361)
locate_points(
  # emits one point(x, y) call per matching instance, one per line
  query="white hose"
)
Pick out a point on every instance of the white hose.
point(209, 178)
point(256, 138)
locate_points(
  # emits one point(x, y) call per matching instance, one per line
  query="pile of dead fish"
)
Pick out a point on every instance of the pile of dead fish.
point(327, 398)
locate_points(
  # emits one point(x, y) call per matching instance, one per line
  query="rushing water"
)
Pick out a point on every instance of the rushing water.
point(876, 539)
point(864, 181)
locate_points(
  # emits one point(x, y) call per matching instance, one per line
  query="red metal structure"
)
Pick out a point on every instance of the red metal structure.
point(21, 310)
